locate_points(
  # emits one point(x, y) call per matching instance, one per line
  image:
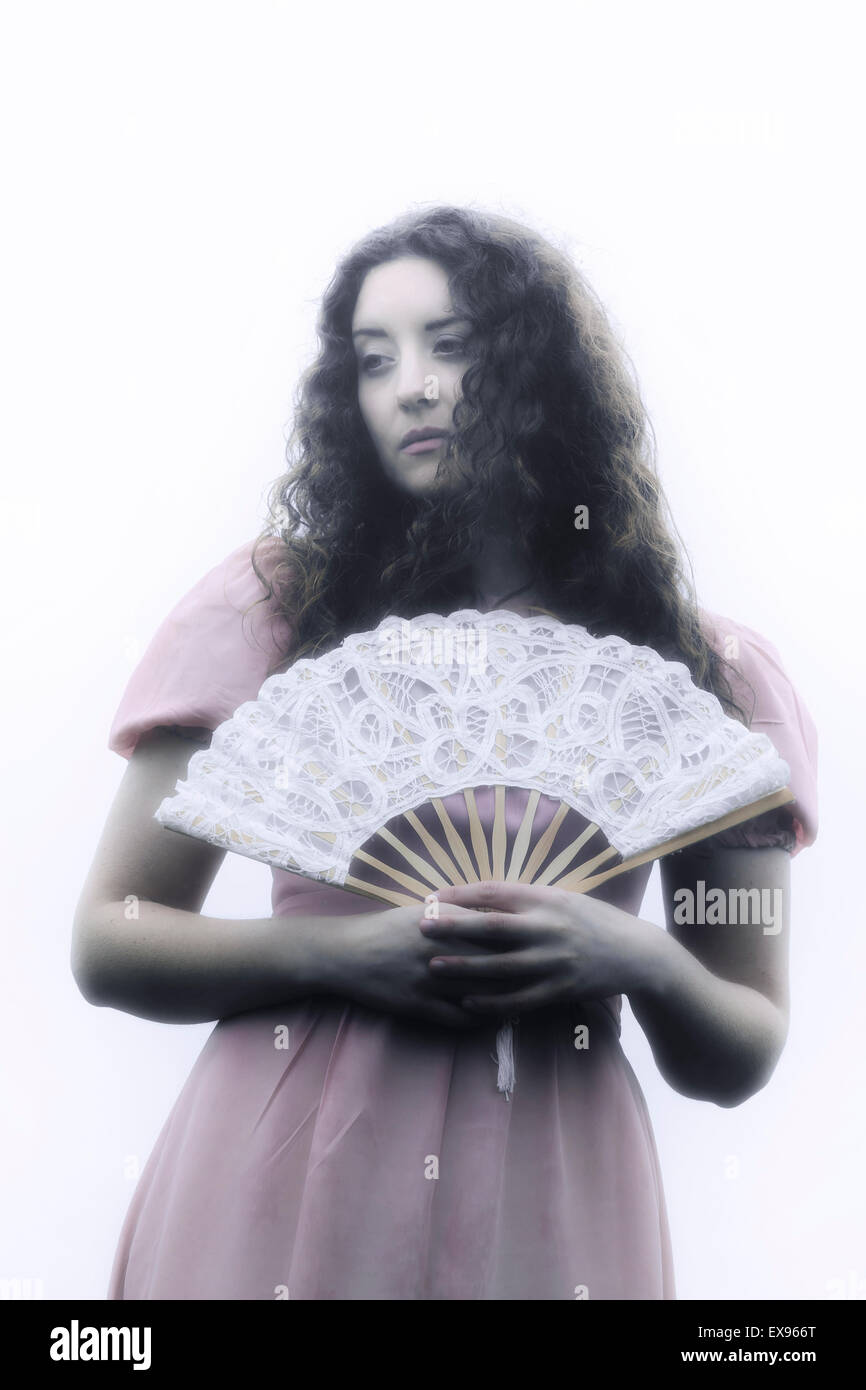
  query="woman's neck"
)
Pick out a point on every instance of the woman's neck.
point(499, 570)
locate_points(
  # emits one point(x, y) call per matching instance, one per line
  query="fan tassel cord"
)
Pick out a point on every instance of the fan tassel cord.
point(507, 1075)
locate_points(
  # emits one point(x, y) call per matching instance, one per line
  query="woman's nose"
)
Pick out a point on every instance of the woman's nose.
point(415, 382)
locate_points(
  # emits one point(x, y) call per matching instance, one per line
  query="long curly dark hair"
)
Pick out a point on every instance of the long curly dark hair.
point(550, 416)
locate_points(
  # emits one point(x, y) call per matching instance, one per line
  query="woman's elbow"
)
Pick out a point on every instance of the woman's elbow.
point(753, 1077)
point(86, 978)
point(87, 962)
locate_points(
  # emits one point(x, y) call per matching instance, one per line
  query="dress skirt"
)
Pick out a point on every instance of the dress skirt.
point(323, 1150)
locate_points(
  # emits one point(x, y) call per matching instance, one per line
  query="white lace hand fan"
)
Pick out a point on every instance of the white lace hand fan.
point(598, 756)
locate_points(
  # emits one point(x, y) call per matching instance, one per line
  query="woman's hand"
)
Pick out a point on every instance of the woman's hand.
point(384, 963)
point(540, 947)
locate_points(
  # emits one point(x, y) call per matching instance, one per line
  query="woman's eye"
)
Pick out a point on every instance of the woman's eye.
point(453, 348)
point(458, 347)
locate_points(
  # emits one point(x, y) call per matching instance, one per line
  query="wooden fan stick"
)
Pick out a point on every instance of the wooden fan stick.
point(454, 840)
point(476, 834)
point(498, 847)
point(379, 895)
point(436, 880)
point(413, 884)
point(498, 836)
point(521, 842)
point(437, 853)
point(352, 884)
point(584, 870)
point(496, 870)
point(479, 844)
point(536, 859)
point(424, 869)
point(563, 860)
point(580, 883)
point(565, 857)
point(581, 879)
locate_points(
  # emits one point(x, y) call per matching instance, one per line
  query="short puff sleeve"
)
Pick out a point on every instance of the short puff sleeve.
point(762, 688)
point(209, 655)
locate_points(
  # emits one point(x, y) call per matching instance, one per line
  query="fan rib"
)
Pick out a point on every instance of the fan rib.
point(562, 861)
point(357, 885)
point(703, 832)
point(446, 864)
point(432, 875)
point(575, 879)
point(476, 832)
point(414, 886)
point(539, 854)
point(454, 840)
point(521, 840)
point(498, 838)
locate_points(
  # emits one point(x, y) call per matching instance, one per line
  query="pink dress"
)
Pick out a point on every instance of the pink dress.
point(374, 1158)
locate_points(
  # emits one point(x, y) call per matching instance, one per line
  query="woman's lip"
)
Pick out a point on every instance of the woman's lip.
point(423, 446)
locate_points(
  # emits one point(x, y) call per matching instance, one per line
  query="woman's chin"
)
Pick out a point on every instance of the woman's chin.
point(421, 479)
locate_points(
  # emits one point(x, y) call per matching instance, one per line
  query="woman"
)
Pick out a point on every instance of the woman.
point(469, 436)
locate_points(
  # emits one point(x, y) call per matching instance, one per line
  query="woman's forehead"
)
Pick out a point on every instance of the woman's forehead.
point(409, 288)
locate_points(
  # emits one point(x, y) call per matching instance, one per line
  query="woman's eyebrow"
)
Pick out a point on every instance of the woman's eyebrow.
point(428, 328)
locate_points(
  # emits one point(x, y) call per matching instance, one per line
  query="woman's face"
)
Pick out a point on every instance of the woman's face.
point(410, 348)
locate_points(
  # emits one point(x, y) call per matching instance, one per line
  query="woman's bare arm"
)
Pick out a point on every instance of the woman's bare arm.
point(139, 942)
point(712, 1000)
point(716, 1009)
point(175, 966)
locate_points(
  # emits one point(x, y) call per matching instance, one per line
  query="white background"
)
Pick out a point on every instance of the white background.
point(179, 181)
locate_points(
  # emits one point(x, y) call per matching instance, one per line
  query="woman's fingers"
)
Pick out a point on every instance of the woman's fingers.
point(513, 965)
point(451, 910)
point(499, 896)
point(481, 929)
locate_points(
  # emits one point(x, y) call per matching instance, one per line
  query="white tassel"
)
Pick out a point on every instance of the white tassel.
point(507, 1075)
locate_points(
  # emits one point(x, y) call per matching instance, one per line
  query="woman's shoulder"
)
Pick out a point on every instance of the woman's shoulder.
point(212, 651)
point(774, 706)
point(233, 612)
point(236, 581)
point(753, 659)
